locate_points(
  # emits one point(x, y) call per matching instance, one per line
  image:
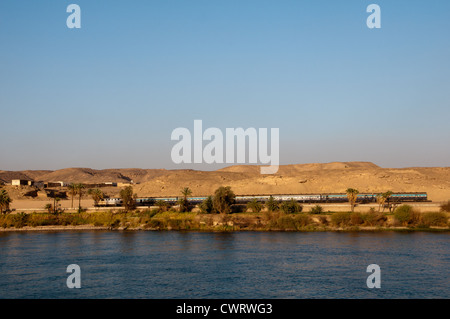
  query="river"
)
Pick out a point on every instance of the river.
point(267, 265)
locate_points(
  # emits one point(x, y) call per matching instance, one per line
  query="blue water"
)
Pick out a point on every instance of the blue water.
point(224, 265)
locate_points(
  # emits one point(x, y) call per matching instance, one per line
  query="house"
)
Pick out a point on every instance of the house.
point(21, 182)
point(110, 184)
point(55, 184)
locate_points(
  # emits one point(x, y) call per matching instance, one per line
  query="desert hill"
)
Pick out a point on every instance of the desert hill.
point(306, 178)
point(333, 177)
point(85, 175)
point(296, 168)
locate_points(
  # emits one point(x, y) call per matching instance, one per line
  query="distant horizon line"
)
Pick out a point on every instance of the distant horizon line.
point(211, 170)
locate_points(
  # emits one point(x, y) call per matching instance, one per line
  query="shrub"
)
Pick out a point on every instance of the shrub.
point(156, 223)
point(6, 221)
point(316, 209)
point(406, 215)
point(254, 206)
point(286, 223)
point(435, 219)
point(356, 219)
point(223, 199)
point(403, 214)
point(323, 220)
point(373, 218)
point(20, 220)
point(115, 223)
point(207, 206)
point(148, 213)
point(340, 219)
point(446, 207)
point(238, 208)
point(291, 207)
point(302, 220)
point(128, 198)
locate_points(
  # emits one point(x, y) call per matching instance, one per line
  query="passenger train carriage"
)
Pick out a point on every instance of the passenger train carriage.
point(301, 198)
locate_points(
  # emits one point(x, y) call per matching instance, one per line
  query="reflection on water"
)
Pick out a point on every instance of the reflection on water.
point(224, 265)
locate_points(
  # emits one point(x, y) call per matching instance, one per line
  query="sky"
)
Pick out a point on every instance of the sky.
point(109, 94)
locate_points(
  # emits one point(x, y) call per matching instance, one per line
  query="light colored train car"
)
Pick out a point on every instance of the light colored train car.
point(302, 198)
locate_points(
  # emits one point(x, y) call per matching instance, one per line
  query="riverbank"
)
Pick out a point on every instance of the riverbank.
point(265, 221)
point(326, 229)
point(38, 205)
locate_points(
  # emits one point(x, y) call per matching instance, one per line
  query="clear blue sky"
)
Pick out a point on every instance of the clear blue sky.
point(108, 95)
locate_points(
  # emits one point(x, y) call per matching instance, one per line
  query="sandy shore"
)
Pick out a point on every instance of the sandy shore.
point(54, 228)
point(94, 228)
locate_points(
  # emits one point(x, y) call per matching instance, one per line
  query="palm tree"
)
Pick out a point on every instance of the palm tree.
point(48, 207)
point(162, 205)
point(352, 195)
point(72, 191)
point(5, 200)
point(184, 205)
point(271, 204)
point(254, 206)
point(79, 189)
point(56, 204)
point(97, 195)
point(382, 198)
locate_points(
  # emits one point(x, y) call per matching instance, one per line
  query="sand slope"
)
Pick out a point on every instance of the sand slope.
point(333, 177)
point(306, 178)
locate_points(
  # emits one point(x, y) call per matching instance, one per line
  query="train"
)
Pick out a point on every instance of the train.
point(301, 198)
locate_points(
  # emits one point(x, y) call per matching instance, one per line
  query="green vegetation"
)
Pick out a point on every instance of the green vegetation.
point(72, 191)
point(162, 205)
point(352, 195)
point(207, 206)
point(340, 219)
point(221, 213)
point(5, 201)
point(317, 210)
point(184, 202)
point(291, 222)
point(272, 205)
point(77, 189)
point(439, 219)
point(96, 194)
point(382, 198)
point(223, 199)
point(374, 218)
point(255, 206)
point(445, 207)
point(155, 219)
point(128, 198)
point(48, 207)
point(80, 192)
point(291, 207)
point(406, 215)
